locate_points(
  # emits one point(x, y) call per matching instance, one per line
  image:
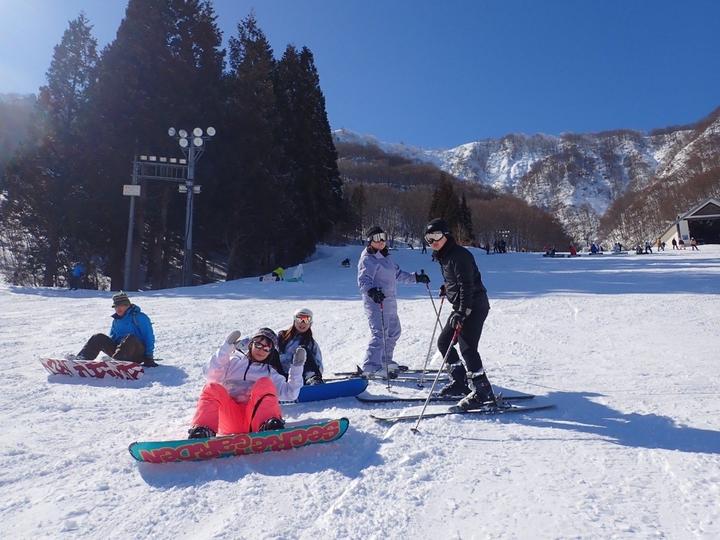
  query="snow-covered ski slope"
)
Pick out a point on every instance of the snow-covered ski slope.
point(627, 347)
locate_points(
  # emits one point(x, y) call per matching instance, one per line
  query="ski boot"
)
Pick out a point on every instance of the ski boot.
point(272, 424)
point(200, 432)
point(458, 386)
point(482, 395)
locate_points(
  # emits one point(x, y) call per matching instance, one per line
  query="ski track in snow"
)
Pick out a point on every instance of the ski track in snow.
point(626, 347)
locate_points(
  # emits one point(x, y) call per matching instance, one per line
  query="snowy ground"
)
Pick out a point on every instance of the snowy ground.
point(626, 346)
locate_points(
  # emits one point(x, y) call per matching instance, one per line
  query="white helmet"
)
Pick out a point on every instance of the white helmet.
point(303, 311)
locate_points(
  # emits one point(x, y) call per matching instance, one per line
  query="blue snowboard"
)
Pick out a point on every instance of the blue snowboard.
point(332, 390)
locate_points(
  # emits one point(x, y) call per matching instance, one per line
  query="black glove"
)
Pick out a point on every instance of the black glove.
point(422, 277)
point(148, 361)
point(443, 290)
point(456, 319)
point(376, 294)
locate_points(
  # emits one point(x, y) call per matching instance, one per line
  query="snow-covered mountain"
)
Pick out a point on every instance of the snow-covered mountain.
point(574, 176)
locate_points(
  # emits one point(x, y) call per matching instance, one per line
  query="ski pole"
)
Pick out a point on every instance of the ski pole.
point(453, 341)
point(387, 368)
point(421, 383)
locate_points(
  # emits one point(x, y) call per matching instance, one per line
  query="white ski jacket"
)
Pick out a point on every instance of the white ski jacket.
point(237, 373)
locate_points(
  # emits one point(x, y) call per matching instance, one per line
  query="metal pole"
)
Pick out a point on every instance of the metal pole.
point(131, 227)
point(453, 341)
point(421, 383)
point(187, 261)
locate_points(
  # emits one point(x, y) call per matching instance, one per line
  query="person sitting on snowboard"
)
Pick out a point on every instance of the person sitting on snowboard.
point(300, 335)
point(131, 336)
point(243, 389)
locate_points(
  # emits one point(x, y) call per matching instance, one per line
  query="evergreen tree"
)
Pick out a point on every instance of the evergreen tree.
point(465, 224)
point(445, 203)
point(163, 69)
point(304, 132)
point(253, 202)
point(44, 193)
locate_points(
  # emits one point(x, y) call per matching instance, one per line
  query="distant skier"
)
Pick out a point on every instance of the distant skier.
point(76, 276)
point(467, 294)
point(378, 276)
point(300, 335)
point(131, 336)
point(345, 263)
point(243, 390)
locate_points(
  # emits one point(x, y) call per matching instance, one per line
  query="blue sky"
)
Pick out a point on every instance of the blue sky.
point(438, 73)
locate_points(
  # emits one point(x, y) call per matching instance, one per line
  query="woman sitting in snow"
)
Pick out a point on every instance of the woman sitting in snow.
point(300, 335)
point(243, 390)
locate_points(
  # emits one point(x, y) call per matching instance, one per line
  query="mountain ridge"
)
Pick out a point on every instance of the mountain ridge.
point(575, 176)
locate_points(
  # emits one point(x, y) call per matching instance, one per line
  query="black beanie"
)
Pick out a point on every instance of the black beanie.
point(438, 225)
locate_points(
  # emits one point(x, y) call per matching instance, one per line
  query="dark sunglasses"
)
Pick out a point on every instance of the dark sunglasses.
point(260, 344)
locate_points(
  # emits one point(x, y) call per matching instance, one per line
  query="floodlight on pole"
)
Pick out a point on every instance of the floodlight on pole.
point(193, 152)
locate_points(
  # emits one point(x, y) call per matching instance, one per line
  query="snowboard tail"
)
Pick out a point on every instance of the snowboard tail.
point(240, 444)
point(96, 369)
point(332, 390)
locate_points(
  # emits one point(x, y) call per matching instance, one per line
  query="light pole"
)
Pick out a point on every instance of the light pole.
point(192, 147)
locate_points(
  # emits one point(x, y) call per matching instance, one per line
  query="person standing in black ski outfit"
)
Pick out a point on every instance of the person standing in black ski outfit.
point(467, 294)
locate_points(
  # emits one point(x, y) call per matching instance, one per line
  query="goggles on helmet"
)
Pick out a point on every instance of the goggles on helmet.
point(433, 236)
point(262, 344)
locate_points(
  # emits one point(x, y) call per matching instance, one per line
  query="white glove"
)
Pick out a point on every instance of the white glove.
point(299, 357)
point(233, 337)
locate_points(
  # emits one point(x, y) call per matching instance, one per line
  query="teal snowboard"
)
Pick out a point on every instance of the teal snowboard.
point(240, 444)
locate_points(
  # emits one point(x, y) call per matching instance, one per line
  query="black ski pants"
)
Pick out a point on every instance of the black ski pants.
point(467, 341)
point(130, 349)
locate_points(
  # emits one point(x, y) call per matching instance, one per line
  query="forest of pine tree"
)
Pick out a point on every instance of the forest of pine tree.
point(271, 189)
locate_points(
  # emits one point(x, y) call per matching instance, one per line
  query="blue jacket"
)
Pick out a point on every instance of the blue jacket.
point(138, 324)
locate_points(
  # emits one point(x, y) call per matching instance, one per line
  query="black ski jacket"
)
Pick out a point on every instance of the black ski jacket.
point(463, 284)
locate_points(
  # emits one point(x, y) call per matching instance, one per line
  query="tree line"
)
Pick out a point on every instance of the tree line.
point(270, 183)
point(401, 195)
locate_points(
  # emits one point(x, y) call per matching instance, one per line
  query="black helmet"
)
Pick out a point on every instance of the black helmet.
point(438, 225)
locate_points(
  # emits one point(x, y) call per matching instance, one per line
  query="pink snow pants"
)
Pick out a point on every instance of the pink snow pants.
point(221, 413)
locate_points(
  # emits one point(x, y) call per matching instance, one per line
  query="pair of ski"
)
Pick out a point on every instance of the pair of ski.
point(407, 375)
point(505, 405)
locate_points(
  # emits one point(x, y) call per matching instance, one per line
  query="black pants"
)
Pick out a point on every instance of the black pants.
point(130, 349)
point(468, 340)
